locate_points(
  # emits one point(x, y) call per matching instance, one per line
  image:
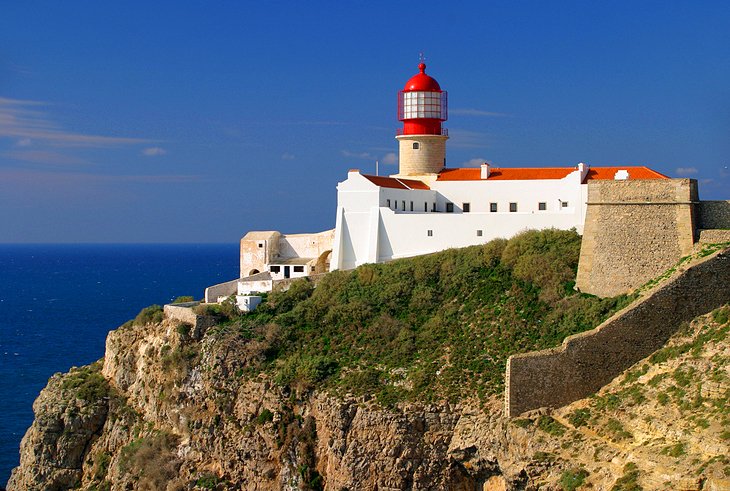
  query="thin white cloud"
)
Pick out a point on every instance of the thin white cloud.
point(287, 156)
point(154, 151)
point(475, 112)
point(25, 119)
point(44, 157)
point(29, 177)
point(473, 162)
point(467, 139)
point(389, 159)
point(358, 155)
point(686, 171)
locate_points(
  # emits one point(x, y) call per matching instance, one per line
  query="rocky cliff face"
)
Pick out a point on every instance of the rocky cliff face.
point(171, 408)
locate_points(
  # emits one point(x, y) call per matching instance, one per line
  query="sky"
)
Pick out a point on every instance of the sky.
point(198, 121)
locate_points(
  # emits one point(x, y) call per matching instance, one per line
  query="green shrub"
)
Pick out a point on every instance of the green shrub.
point(579, 417)
point(184, 299)
point(207, 481)
point(550, 426)
point(149, 315)
point(721, 315)
point(572, 479)
point(86, 383)
point(151, 461)
point(183, 329)
point(264, 416)
point(629, 480)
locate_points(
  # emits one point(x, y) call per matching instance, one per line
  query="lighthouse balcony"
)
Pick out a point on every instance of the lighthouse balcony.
point(424, 131)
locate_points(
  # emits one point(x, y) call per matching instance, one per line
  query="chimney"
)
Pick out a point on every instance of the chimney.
point(484, 171)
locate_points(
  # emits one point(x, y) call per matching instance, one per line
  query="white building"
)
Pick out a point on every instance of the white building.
point(425, 207)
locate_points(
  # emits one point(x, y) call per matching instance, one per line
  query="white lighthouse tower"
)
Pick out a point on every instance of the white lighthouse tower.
point(422, 141)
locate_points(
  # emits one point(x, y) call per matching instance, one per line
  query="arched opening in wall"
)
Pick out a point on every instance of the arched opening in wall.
point(253, 272)
point(416, 145)
point(323, 263)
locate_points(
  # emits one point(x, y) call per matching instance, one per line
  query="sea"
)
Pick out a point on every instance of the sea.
point(58, 302)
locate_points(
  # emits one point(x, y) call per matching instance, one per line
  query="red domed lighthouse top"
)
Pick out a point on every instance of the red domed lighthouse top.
point(422, 105)
point(421, 81)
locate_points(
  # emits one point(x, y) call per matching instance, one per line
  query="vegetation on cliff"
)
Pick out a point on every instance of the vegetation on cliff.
point(436, 327)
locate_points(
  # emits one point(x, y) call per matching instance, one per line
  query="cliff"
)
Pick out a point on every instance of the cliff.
point(246, 403)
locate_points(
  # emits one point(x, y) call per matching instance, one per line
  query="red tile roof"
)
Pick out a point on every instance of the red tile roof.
point(505, 173)
point(529, 173)
point(634, 173)
point(396, 183)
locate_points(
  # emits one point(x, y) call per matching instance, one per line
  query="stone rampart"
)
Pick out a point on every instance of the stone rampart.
point(713, 215)
point(585, 362)
point(714, 236)
point(185, 312)
point(634, 231)
point(221, 290)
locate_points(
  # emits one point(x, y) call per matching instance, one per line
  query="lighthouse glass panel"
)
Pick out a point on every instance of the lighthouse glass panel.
point(418, 105)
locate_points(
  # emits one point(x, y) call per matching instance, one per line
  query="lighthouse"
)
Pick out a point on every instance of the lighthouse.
point(422, 141)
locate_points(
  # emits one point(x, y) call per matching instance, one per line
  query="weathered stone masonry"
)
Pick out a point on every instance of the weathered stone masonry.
point(587, 361)
point(634, 231)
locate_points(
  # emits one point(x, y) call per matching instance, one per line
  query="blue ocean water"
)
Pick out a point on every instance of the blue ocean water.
point(57, 303)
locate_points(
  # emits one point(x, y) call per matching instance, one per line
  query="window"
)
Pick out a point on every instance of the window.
point(449, 207)
point(411, 205)
point(313, 269)
point(512, 207)
point(466, 207)
point(493, 207)
point(404, 205)
point(542, 206)
point(261, 244)
point(425, 207)
point(415, 145)
point(429, 233)
point(479, 233)
point(564, 204)
point(275, 269)
point(388, 201)
point(299, 269)
point(434, 207)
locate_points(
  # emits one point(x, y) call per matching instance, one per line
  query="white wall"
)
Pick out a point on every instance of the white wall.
point(368, 231)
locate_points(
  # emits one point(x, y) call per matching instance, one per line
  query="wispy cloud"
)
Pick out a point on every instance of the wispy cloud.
point(476, 112)
point(467, 139)
point(389, 158)
point(358, 155)
point(26, 176)
point(473, 162)
point(287, 156)
point(27, 120)
point(154, 151)
point(686, 171)
point(44, 157)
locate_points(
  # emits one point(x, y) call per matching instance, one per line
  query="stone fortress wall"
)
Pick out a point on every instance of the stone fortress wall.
point(587, 361)
point(634, 231)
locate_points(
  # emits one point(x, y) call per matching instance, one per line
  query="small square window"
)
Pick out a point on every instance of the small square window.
point(313, 269)
point(275, 269)
point(429, 233)
point(466, 207)
point(564, 204)
point(449, 207)
point(542, 206)
point(299, 269)
point(513, 207)
point(261, 244)
point(415, 145)
point(479, 233)
point(493, 207)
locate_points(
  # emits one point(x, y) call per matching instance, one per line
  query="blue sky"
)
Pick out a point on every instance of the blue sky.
point(197, 121)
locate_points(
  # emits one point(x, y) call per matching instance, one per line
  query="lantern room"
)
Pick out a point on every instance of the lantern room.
point(422, 105)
